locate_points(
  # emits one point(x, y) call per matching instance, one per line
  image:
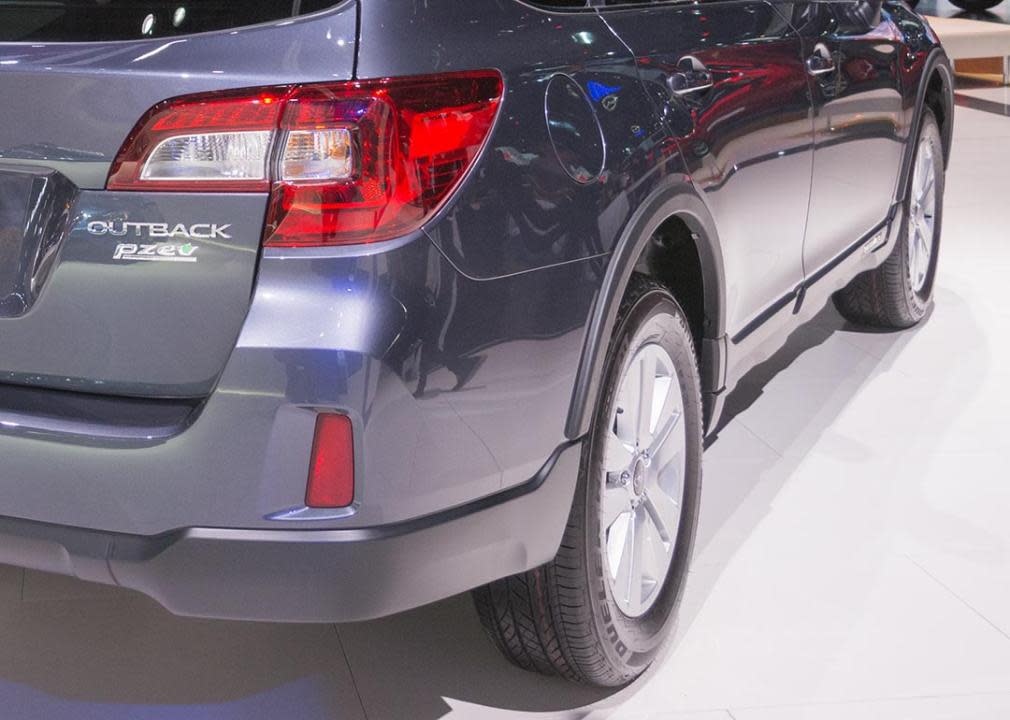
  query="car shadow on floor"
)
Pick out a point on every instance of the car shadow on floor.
point(825, 326)
point(463, 676)
point(70, 649)
point(740, 486)
point(802, 390)
point(444, 664)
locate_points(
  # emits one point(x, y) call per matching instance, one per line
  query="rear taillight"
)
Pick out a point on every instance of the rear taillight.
point(347, 162)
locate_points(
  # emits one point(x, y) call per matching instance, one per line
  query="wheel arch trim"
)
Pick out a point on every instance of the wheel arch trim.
point(675, 197)
point(937, 62)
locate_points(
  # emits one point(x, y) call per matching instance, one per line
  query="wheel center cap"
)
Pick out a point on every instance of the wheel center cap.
point(638, 478)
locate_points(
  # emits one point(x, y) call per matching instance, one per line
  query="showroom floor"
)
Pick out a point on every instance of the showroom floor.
point(853, 561)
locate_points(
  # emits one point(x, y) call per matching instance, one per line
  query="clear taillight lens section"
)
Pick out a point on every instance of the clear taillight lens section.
point(218, 142)
point(232, 156)
point(318, 155)
point(345, 162)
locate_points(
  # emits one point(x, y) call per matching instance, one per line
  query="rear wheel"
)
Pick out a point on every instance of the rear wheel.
point(898, 293)
point(599, 612)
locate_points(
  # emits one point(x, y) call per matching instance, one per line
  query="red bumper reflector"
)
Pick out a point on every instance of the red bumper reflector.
point(331, 469)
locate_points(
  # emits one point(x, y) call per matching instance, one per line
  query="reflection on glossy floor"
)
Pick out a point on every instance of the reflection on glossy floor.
point(853, 560)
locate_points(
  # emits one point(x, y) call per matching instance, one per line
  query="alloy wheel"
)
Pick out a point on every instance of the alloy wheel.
point(644, 469)
point(922, 214)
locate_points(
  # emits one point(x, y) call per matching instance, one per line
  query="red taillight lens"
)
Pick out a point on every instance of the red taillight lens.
point(331, 468)
point(345, 162)
point(413, 139)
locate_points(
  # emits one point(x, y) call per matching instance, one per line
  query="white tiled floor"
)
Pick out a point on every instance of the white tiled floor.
point(853, 560)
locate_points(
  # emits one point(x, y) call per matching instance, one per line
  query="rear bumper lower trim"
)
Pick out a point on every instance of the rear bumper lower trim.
point(316, 575)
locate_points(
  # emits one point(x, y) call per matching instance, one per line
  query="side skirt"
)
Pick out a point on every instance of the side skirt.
point(762, 336)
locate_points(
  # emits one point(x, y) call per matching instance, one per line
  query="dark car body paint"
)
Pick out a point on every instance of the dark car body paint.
point(468, 355)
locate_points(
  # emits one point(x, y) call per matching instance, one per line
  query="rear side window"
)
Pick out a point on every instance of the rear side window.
point(97, 20)
point(588, 4)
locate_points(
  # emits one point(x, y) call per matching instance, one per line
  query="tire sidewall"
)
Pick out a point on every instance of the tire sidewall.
point(631, 644)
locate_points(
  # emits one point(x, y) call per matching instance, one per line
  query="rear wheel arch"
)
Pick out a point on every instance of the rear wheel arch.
point(937, 97)
point(935, 91)
point(672, 240)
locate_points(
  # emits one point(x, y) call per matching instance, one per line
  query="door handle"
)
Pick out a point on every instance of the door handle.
point(691, 77)
point(821, 62)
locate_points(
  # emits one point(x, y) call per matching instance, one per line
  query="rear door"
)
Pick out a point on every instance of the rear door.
point(734, 73)
point(134, 293)
point(859, 128)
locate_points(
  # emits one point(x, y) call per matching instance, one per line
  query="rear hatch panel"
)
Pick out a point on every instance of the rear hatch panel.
point(146, 296)
point(131, 293)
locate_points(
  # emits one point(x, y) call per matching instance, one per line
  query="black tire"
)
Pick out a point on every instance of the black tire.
point(884, 297)
point(975, 5)
point(562, 618)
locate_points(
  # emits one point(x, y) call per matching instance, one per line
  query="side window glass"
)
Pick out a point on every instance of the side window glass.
point(561, 3)
point(102, 20)
point(771, 24)
point(856, 17)
point(810, 19)
point(760, 21)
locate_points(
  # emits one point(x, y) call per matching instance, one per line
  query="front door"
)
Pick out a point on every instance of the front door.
point(733, 69)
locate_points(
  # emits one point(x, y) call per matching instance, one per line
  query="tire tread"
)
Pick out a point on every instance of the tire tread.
point(882, 298)
point(542, 620)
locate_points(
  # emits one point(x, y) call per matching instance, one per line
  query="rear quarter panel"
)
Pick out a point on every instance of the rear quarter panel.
point(519, 210)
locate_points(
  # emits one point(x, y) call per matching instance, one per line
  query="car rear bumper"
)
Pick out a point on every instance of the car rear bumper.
point(456, 389)
point(316, 575)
